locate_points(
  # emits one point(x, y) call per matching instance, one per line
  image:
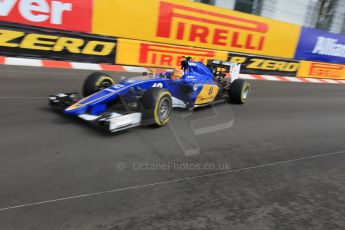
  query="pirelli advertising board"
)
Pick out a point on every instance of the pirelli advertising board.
point(321, 70)
point(141, 53)
point(251, 64)
point(28, 41)
point(195, 25)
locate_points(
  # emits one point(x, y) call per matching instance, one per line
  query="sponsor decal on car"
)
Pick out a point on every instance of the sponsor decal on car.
point(207, 94)
point(72, 15)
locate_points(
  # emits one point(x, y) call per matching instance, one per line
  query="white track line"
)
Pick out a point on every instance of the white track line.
point(169, 181)
point(23, 97)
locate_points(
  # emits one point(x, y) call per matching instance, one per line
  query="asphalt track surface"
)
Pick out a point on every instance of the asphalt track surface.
point(280, 160)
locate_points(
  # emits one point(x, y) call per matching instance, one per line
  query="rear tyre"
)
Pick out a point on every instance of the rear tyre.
point(239, 91)
point(96, 82)
point(156, 106)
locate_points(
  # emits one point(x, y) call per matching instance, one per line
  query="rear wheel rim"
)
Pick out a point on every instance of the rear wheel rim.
point(245, 92)
point(164, 109)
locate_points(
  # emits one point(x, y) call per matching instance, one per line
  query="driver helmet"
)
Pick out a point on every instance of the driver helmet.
point(188, 58)
point(184, 63)
point(176, 74)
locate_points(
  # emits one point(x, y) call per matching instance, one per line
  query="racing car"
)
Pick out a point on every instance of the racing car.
point(150, 98)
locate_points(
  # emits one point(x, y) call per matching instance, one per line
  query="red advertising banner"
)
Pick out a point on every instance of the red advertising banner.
point(74, 15)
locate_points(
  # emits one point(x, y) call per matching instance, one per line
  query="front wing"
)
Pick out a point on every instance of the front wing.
point(113, 121)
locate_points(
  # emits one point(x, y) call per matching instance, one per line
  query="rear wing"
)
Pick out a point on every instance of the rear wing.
point(231, 69)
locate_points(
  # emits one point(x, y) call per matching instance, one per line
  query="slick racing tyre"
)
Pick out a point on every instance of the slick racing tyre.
point(156, 106)
point(96, 82)
point(239, 91)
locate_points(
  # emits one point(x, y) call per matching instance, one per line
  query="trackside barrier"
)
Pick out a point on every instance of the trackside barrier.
point(156, 33)
point(20, 40)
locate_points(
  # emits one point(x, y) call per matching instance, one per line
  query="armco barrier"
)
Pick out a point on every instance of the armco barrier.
point(196, 25)
point(253, 64)
point(27, 41)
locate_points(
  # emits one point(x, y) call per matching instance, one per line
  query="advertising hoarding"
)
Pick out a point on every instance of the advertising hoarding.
point(195, 25)
point(319, 45)
point(27, 41)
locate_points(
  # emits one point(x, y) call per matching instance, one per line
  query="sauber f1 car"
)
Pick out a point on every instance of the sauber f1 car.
point(150, 98)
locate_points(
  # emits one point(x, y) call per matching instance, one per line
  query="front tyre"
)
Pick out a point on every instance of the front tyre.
point(96, 82)
point(239, 91)
point(157, 106)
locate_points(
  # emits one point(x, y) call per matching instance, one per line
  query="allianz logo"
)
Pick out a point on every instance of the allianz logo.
point(329, 46)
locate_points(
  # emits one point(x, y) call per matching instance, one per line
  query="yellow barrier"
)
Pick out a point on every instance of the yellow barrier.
point(321, 70)
point(196, 25)
point(132, 52)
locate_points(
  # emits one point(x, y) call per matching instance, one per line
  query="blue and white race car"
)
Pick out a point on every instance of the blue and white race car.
point(150, 98)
